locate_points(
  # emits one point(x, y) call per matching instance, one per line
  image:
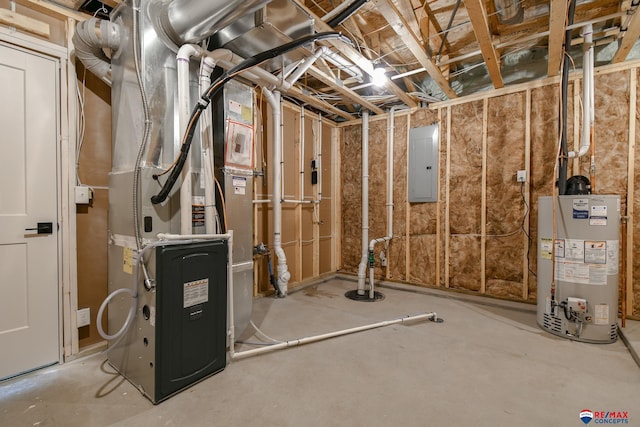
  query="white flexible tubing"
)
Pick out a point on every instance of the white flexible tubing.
point(206, 68)
point(261, 334)
point(390, 172)
point(127, 322)
point(587, 93)
point(184, 103)
point(306, 340)
point(362, 268)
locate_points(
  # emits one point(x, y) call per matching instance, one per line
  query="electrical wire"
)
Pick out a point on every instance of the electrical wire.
point(213, 89)
point(224, 207)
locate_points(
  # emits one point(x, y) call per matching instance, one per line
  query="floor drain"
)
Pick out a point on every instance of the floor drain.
point(377, 296)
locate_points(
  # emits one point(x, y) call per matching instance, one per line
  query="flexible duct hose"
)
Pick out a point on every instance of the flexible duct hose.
point(90, 37)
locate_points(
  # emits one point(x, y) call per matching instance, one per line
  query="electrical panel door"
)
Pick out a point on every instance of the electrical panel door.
point(423, 164)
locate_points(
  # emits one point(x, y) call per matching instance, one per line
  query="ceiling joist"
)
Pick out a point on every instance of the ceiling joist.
point(401, 27)
point(355, 57)
point(344, 91)
point(557, 28)
point(629, 39)
point(478, 17)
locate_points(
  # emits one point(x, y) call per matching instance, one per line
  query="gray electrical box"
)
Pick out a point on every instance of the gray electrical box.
point(423, 164)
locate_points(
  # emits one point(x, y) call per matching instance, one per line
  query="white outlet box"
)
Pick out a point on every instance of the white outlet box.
point(521, 176)
point(83, 195)
point(84, 317)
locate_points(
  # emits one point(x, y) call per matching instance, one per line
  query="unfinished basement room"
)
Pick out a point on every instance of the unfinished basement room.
point(319, 213)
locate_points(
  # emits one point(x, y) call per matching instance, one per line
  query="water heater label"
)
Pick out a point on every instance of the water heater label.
point(196, 292)
point(598, 215)
point(580, 208)
point(595, 252)
point(601, 314)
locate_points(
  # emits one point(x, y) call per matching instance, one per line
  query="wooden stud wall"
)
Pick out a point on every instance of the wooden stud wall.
point(474, 237)
point(308, 231)
point(91, 220)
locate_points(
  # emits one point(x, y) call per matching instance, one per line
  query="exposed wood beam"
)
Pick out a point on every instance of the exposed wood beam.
point(478, 16)
point(435, 30)
point(355, 57)
point(405, 9)
point(344, 91)
point(400, 26)
point(629, 39)
point(53, 10)
point(13, 19)
point(557, 28)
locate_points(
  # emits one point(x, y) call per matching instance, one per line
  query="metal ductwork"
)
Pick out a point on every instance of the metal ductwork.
point(277, 23)
point(509, 11)
point(188, 21)
point(90, 38)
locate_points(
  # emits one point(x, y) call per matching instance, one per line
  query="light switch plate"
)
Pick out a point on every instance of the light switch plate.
point(84, 317)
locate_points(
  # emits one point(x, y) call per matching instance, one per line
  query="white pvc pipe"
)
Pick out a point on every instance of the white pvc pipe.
point(302, 159)
point(184, 104)
point(587, 93)
point(208, 166)
point(389, 236)
point(362, 268)
point(300, 341)
point(274, 100)
point(167, 236)
point(319, 157)
point(308, 62)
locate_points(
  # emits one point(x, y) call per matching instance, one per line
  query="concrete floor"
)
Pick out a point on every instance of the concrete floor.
point(488, 364)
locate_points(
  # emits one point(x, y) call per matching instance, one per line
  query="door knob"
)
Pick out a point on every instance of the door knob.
point(42, 228)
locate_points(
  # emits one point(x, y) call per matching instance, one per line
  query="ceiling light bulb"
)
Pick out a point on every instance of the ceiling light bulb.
point(379, 76)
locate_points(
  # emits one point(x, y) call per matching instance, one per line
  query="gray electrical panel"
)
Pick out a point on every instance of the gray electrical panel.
point(423, 164)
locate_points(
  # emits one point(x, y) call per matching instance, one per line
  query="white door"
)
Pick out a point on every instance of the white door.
point(29, 293)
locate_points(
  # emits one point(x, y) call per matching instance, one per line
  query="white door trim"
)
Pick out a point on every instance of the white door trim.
point(66, 117)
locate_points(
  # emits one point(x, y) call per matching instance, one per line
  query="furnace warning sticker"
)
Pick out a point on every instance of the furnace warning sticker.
point(127, 260)
point(580, 208)
point(595, 252)
point(239, 184)
point(196, 292)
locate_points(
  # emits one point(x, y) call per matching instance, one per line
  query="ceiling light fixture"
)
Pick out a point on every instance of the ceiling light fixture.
point(379, 77)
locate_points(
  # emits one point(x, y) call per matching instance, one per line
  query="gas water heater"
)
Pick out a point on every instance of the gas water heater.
point(582, 304)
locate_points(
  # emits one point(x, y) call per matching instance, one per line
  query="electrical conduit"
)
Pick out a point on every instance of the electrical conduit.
point(389, 236)
point(206, 68)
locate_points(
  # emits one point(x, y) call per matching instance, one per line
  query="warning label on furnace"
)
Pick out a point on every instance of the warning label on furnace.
point(196, 292)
